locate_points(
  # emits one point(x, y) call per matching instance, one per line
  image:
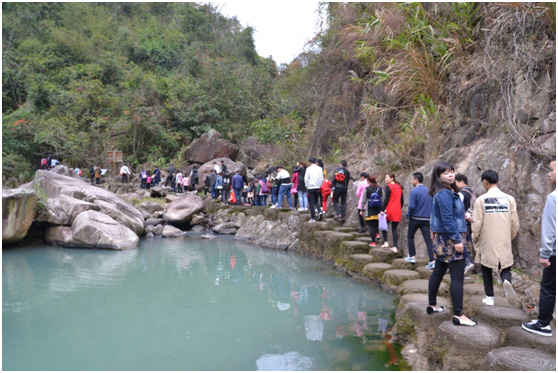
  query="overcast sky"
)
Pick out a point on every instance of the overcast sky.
point(281, 27)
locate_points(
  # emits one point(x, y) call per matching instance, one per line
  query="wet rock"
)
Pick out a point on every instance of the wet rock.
point(518, 358)
point(149, 235)
point(60, 235)
point(423, 299)
point(197, 228)
point(209, 236)
point(355, 247)
point(226, 228)
point(18, 212)
point(158, 230)
point(170, 231)
point(383, 255)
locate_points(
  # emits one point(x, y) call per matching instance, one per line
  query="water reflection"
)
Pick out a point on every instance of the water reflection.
point(187, 299)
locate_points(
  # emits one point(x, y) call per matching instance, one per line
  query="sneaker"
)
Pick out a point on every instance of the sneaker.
point(410, 259)
point(431, 265)
point(301, 209)
point(489, 301)
point(377, 235)
point(320, 216)
point(373, 244)
point(511, 296)
point(536, 327)
point(311, 221)
point(468, 266)
point(273, 207)
point(386, 245)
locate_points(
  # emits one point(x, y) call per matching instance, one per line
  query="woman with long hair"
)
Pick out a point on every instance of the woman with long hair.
point(371, 207)
point(447, 222)
point(393, 203)
point(301, 187)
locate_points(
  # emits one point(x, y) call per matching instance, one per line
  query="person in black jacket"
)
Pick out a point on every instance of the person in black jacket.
point(340, 185)
point(370, 213)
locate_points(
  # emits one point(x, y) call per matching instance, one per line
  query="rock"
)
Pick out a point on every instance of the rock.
point(502, 317)
point(199, 219)
point(96, 230)
point(518, 337)
point(60, 235)
point(518, 358)
point(421, 286)
point(474, 303)
point(158, 230)
point(478, 289)
point(383, 255)
point(376, 270)
point(197, 228)
point(159, 191)
point(226, 228)
point(158, 214)
point(210, 146)
point(209, 236)
point(423, 299)
point(150, 207)
point(395, 277)
point(421, 320)
point(252, 151)
point(182, 210)
point(401, 263)
point(18, 212)
point(149, 235)
point(171, 198)
point(118, 213)
point(154, 221)
point(355, 247)
point(170, 231)
point(231, 167)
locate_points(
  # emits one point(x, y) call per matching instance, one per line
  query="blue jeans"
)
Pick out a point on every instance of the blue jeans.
point(263, 200)
point(285, 189)
point(238, 195)
point(274, 191)
point(303, 199)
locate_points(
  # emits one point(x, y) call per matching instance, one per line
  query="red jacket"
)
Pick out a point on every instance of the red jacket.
point(326, 187)
point(393, 209)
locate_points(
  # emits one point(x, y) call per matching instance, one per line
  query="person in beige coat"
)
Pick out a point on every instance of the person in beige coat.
point(495, 225)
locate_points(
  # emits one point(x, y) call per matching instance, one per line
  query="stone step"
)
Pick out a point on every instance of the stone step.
point(363, 239)
point(421, 286)
point(478, 289)
point(422, 298)
point(376, 271)
point(383, 255)
point(502, 317)
point(519, 358)
point(473, 304)
point(394, 277)
point(471, 342)
point(345, 229)
point(516, 336)
point(357, 262)
point(414, 314)
point(355, 247)
point(401, 263)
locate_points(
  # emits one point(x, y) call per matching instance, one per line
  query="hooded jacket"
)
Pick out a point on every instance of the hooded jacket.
point(313, 177)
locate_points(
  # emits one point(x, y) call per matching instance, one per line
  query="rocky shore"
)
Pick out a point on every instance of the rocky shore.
point(74, 213)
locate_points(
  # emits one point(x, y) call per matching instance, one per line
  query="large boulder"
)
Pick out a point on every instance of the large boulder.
point(181, 210)
point(231, 167)
point(18, 212)
point(210, 146)
point(252, 151)
point(97, 230)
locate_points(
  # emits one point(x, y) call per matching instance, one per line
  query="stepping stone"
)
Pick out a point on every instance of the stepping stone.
point(502, 317)
point(464, 347)
point(360, 260)
point(383, 255)
point(401, 263)
point(355, 247)
point(424, 273)
point(478, 289)
point(519, 337)
point(423, 299)
point(518, 358)
point(421, 286)
point(395, 277)
point(415, 314)
point(363, 239)
point(376, 270)
point(473, 304)
point(344, 229)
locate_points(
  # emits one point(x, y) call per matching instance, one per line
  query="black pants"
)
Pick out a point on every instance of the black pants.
point(340, 194)
point(505, 274)
point(394, 225)
point(313, 196)
point(547, 299)
point(373, 228)
point(456, 269)
point(361, 220)
point(424, 226)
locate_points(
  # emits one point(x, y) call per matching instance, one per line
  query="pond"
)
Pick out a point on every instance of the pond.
point(189, 304)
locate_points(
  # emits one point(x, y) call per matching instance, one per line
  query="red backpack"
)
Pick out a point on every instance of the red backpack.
point(340, 178)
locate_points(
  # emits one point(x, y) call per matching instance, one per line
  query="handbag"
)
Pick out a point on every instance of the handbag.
point(293, 190)
point(382, 222)
point(250, 195)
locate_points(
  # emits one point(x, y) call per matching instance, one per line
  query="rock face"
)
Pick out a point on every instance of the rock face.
point(181, 210)
point(231, 167)
point(97, 230)
point(18, 212)
point(210, 146)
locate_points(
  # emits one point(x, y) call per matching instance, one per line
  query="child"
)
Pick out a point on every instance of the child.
point(148, 179)
point(325, 190)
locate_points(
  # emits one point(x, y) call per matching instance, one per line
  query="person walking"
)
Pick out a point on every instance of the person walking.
point(156, 176)
point(450, 237)
point(143, 179)
point(313, 179)
point(219, 186)
point(124, 172)
point(264, 190)
point(420, 209)
point(206, 182)
point(178, 181)
point(170, 174)
point(98, 175)
point(226, 190)
point(285, 185)
point(362, 185)
point(294, 190)
point(92, 172)
point(547, 259)
point(194, 179)
point(370, 206)
point(393, 204)
point(495, 225)
point(212, 181)
point(325, 193)
point(301, 187)
point(468, 198)
point(340, 185)
point(237, 186)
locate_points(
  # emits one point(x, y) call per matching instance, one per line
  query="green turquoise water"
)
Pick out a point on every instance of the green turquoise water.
point(188, 304)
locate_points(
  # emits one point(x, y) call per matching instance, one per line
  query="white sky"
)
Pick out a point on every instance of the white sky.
point(281, 28)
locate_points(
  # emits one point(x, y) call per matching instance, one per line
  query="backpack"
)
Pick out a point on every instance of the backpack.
point(43, 162)
point(375, 200)
point(265, 187)
point(340, 178)
point(268, 184)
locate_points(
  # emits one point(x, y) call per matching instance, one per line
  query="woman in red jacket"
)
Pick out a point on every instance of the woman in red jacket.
point(393, 203)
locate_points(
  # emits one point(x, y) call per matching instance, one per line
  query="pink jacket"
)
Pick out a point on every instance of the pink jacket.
point(362, 185)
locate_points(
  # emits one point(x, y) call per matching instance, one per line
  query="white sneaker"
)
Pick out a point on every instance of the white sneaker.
point(301, 209)
point(273, 207)
point(385, 244)
point(311, 221)
point(489, 301)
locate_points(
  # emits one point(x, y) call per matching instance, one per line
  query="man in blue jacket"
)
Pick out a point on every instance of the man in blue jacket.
point(420, 208)
point(237, 185)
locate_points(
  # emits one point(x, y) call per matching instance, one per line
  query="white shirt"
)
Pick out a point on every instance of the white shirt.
point(314, 177)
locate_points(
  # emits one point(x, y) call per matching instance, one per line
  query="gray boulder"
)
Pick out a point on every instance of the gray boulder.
point(97, 230)
point(18, 212)
point(226, 228)
point(182, 209)
point(170, 231)
point(210, 146)
point(150, 207)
